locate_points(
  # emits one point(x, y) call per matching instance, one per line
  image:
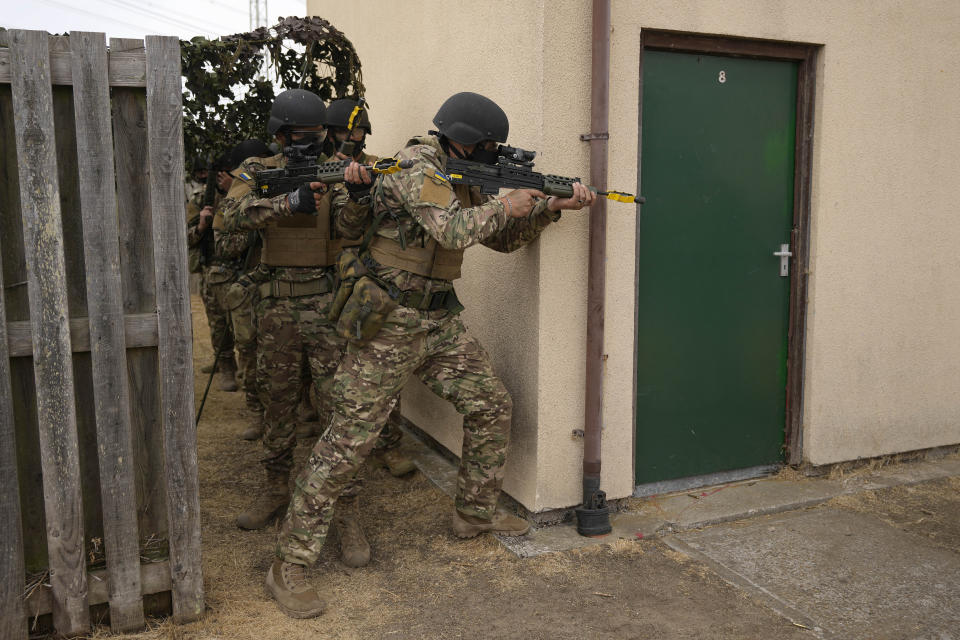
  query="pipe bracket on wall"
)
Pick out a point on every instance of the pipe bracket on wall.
point(784, 255)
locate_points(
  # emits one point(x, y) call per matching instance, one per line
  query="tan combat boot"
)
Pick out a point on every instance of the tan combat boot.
point(254, 429)
point(354, 548)
point(465, 526)
point(287, 583)
point(228, 380)
point(395, 461)
point(271, 502)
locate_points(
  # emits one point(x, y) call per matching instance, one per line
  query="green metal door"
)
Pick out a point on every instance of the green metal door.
point(717, 169)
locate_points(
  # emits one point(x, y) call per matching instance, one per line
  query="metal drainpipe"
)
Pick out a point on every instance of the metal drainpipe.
point(593, 517)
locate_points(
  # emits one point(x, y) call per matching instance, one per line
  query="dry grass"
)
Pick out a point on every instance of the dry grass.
point(423, 582)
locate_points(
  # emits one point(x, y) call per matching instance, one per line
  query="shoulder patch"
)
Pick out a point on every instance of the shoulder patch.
point(436, 176)
point(436, 192)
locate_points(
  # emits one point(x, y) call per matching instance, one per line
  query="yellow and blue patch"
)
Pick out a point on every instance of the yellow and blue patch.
point(438, 176)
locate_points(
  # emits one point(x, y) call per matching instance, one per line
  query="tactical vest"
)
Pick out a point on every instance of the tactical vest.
point(300, 240)
point(432, 261)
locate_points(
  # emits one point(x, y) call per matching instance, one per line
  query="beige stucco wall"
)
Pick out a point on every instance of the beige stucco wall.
point(882, 352)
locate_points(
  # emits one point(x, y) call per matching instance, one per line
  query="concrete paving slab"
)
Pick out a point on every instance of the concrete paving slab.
point(844, 574)
point(914, 473)
point(704, 507)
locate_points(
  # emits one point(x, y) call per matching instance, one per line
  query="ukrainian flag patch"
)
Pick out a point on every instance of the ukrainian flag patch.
point(245, 176)
point(440, 176)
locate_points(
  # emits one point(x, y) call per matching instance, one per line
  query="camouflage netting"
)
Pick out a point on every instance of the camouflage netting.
point(230, 83)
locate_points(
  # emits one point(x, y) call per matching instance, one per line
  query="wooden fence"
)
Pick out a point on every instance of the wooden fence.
point(99, 508)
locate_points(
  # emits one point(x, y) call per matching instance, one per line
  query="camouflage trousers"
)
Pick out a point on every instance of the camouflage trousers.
point(291, 331)
point(293, 334)
point(247, 366)
point(212, 287)
point(432, 345)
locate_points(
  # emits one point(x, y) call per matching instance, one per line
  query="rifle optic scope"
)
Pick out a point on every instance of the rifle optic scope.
point(516, 154)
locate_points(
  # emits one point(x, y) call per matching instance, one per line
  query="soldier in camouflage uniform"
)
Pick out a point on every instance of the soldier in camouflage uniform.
point(215, 273)
point(295, 283)
point(423, 224)
point(386, 452)
point(242, 250)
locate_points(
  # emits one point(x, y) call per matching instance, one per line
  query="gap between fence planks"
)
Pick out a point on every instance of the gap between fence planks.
point(111, 394)
point(165, 144)
point(53, 368)
point(13, 625)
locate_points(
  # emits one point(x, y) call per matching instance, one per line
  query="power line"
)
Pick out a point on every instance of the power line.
point(159, 16)
point(64, 5)
point(229, 7)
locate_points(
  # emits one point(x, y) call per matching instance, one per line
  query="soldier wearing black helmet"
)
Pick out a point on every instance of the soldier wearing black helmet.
point(422, 225)
point(339, 113)
point(294, 287)
point(300, 242)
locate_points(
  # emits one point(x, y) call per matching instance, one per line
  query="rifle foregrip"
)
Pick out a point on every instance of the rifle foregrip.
point(558, 186)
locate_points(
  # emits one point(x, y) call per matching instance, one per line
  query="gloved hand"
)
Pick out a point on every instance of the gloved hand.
point(302, 200)
point(358, 192)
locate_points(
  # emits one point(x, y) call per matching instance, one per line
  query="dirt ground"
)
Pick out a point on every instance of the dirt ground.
point(423, 582)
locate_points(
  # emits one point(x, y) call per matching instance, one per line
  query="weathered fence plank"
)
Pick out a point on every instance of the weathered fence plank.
point(140, 330)
point(21, 368)
point(154, 576)
point(13, 625)
point(126, 69)
point(111, 398)
point(68, 183)
point(52, 363)
point(139, 293)
point(165, 139)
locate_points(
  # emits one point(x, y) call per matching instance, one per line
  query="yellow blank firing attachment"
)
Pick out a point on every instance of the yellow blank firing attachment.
point(620, 196)
point(390, 166)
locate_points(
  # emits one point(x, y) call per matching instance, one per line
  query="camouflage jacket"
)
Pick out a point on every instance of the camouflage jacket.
point(244, 210)
point(198, 241)
point(421, 203)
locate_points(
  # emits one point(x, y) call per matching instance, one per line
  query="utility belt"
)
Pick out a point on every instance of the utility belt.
point(421, 300)
point(364, 300)
point(291, 289)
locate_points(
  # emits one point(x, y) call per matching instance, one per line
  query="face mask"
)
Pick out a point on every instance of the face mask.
point(309, 144)
point(349, 147)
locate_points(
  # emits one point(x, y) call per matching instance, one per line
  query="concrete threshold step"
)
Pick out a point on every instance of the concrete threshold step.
point(661, 515)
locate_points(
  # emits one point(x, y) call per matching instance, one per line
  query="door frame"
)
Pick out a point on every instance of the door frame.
point(806, 55)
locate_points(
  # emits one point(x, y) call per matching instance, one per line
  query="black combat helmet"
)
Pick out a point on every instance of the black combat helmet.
point(295, 108)
point(244, 150)
point(338, 115)
point(469, 118)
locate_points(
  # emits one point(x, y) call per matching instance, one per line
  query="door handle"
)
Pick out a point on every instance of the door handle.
point(784, 255)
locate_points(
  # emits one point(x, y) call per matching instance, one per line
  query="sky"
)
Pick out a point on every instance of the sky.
point(136, 19)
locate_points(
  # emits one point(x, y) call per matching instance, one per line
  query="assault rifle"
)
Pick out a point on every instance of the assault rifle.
point(302, 169)
point(209, 200)
point(514, 170)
